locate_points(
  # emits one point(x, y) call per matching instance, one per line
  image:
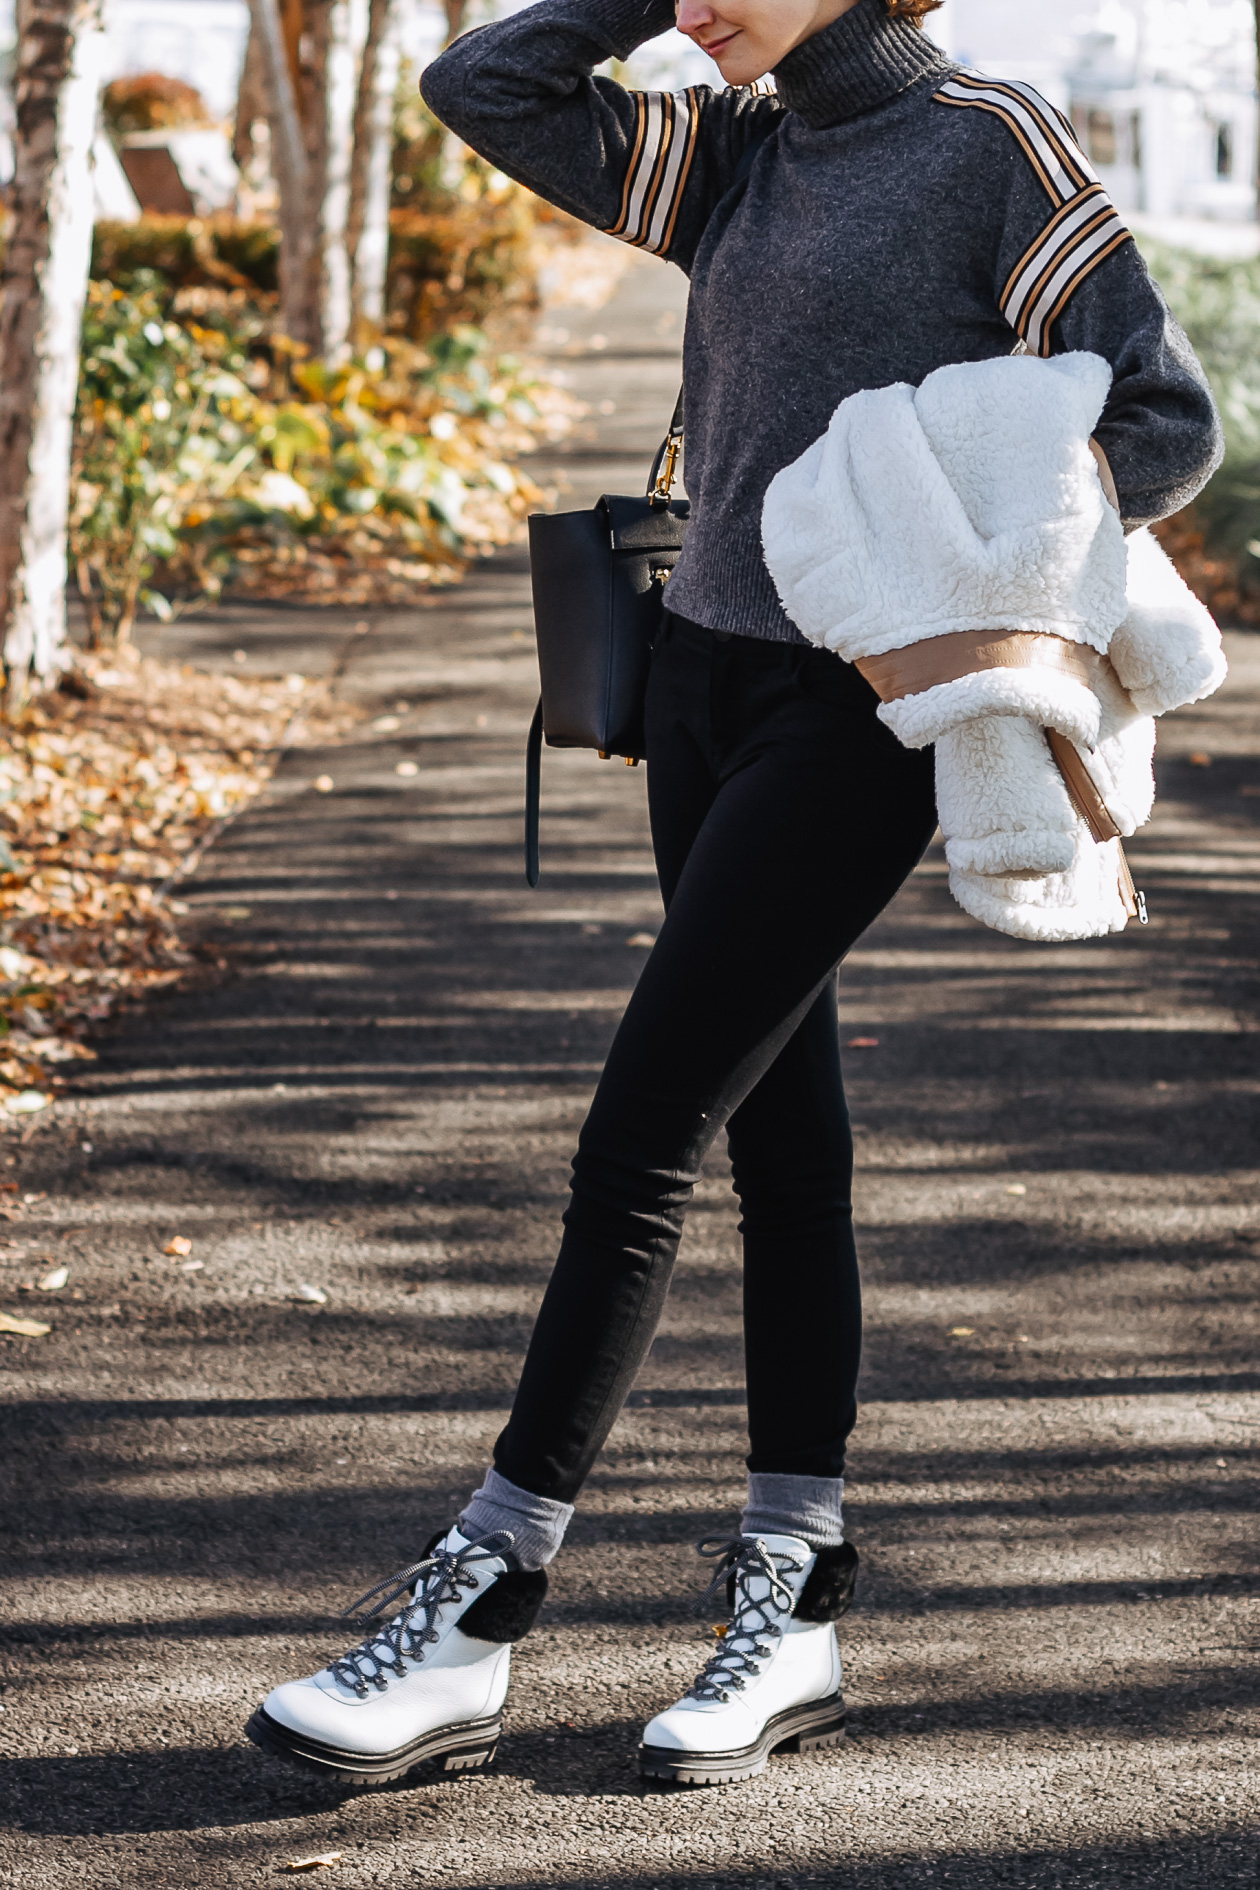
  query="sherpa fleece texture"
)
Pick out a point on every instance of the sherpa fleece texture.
point(973, 503)
point(969, 503)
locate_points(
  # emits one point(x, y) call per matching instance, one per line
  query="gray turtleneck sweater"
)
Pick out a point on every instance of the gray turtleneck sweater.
point(901, 214)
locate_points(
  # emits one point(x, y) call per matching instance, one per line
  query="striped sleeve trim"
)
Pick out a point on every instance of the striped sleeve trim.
point(1084, 229)
point(1045, 135)
point(660, 163)
point(1076, 239)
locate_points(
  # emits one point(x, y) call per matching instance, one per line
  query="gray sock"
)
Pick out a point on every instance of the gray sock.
point(805, 1507)
point(537, 1523)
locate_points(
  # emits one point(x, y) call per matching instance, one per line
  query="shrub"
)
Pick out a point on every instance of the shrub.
point(189, 252)
point(461, 233)
point(150, 101)
point(205, 456)
point(1217, 541)
point(162, 409)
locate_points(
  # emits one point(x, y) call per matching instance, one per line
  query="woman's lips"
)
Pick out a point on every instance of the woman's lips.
point(714, 46)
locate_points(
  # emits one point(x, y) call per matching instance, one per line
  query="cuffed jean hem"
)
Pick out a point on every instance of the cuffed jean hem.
point(535, 1523)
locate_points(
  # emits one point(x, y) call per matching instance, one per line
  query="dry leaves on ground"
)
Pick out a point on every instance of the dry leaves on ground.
point(106, 795)
point(1212, 577)
point(24, 1328)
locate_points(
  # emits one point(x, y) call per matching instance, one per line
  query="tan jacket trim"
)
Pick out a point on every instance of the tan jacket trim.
point(948, 659)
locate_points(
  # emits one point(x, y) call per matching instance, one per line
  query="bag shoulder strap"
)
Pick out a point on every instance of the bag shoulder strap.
point(660, 485)
point(659, 488)
point(533, 790)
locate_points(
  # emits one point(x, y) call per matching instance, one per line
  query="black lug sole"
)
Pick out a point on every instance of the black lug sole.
point(466, 1747)
point(797, 1729)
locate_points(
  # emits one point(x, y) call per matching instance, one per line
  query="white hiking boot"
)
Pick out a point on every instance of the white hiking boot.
point(429, 1684)
point(774, 1680)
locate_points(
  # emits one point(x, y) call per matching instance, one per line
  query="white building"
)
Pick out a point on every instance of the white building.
point(1162, 92)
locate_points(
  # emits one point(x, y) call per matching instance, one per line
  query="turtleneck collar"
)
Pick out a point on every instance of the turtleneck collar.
point(861, 60)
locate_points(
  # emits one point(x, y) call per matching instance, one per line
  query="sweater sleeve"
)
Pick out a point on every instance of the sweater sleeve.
point(647, 167)
point(1068, 275)
point(1160, 429)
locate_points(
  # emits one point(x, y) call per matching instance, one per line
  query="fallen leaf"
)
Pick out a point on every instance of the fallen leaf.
point(178, 1244)
point(324, 784)
point(1017, 1187)
point(25, 1328)
point(862, 1043)
point(54, 1281)
point(961, 1332)
point(386, 724)
point(315, 1295)
point(647, 939)
point(1200, 760)
point(26, 1102)
point(325, 1860)
point(407, 769)
point(192, 1266)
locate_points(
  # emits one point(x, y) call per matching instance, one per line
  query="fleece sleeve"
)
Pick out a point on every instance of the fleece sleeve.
point(647, 167)
point(1068, 275)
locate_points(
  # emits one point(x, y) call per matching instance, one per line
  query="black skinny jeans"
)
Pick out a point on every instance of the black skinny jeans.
point(784, 818)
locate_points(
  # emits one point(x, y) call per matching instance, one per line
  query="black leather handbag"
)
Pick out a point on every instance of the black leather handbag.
point(597, 579)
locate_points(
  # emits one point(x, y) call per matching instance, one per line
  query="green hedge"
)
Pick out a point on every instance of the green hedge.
point(1217, 302)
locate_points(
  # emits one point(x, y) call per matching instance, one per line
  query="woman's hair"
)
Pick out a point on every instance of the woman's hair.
point(912, 10)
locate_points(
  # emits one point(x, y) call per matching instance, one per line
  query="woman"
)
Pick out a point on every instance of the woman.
point(899, 214)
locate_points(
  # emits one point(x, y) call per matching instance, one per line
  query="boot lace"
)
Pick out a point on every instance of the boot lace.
point(742, 1646)
point(438, 1578)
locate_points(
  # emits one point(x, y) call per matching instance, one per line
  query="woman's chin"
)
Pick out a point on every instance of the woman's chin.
point(739, 67)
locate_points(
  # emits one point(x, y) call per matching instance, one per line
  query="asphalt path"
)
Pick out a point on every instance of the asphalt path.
point(1052, 1667)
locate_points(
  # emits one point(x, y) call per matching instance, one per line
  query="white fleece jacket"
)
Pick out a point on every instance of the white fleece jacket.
point(973, 503)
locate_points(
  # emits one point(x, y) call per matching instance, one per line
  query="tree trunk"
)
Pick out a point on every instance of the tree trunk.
point(331, 71)
point(299, 315)
point(251, 99)
point(331, 143)
point(60, 55)
point(455, 11)
point(367, 233)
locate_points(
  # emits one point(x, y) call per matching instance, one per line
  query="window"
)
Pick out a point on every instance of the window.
point(1225, 150)
point(1100, 136)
